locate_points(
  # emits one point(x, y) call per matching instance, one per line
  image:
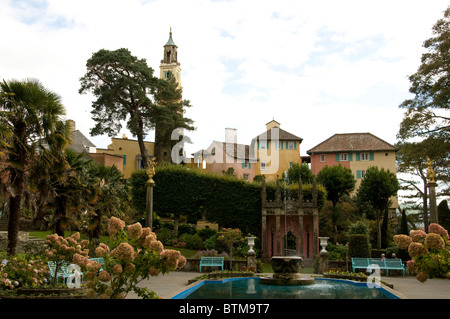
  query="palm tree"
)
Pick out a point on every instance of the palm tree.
point(113, 197)
point(28, 115)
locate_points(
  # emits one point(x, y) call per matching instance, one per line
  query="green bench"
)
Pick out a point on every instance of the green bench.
point(62, 273)
point(383, 263)
point(99, 260)
point(211, 261)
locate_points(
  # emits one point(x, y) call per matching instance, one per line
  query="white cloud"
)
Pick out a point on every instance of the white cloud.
point(317, 67)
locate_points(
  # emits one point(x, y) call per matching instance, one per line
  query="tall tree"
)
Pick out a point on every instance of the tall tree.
point(126, 90)
point(112, 197)
point(297, 171)
point(122, 84)
point(169, 116)
point(411, 160)
point(377, 188)
point(427, 113)
point(338, 181)
point(28, 115)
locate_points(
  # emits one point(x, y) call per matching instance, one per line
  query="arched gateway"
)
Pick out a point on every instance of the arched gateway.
point(290, 227)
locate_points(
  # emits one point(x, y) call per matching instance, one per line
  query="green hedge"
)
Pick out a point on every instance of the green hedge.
point(225, 200)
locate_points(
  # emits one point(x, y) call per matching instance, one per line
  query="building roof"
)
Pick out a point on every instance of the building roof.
point(80, 143)
point(170, 41)
point(283, 135)
point(352, 142)
point(238, 151)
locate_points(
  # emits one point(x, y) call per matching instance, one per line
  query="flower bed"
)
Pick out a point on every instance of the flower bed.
point(45, 293)
point(345, 275)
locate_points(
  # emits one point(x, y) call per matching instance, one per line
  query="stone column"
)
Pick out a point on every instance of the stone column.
point(315, 234)
point(264, 240)
point(278, 234)
point(149, 205)
point(433, 207)
point(300, 235)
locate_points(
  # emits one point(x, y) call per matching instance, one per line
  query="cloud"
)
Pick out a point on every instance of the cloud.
point(317, 67)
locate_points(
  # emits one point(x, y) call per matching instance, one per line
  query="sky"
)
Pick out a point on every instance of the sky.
point(316, 67)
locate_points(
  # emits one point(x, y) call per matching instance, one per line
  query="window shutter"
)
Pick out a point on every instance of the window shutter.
point(258, 144)
point(267, 144)
point(372, 157)
point(358, 157)
point(124, 159)
point(337, 157)
point(350, 157)
point(243, 164)
point(281, 145)
point(358, 174)
point(249, 165)
point(295, 145)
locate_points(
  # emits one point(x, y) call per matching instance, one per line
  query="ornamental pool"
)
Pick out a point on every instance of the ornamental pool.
point(250, 288)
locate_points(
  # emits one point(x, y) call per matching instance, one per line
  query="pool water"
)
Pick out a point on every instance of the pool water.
point(250, 288)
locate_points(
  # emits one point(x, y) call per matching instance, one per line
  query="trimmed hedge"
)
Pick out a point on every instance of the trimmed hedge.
point(358, 246)
point(225, 200)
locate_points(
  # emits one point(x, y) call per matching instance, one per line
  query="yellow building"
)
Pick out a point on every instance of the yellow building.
point(129, 150)
point(276, 150)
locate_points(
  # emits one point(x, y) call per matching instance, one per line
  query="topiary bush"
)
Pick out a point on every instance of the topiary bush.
point(358, 246)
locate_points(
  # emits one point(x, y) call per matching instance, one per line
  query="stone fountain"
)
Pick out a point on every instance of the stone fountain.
point(287, 272)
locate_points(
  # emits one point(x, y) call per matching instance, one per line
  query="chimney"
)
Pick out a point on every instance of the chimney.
point(231, 136)
point(72, 125)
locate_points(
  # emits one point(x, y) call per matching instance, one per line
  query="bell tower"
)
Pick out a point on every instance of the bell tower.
point(170, 67)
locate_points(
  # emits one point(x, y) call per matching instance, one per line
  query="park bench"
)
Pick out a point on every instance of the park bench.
point(62, 273)
point(360, 263)
point(382, 263)
point(211, 261)
point(395, 264)
point(99, 260)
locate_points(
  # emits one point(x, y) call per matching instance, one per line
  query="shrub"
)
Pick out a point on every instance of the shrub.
point(358, 246)
point(25, 272)
point(135, 254)
point(193, 241)
point(206, 233)
point(186, 229)
point(430, 252)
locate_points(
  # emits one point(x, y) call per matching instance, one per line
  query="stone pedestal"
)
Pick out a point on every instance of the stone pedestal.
point(323, 262)
point(251, 261)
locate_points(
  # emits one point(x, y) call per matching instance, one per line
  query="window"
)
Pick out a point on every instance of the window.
point(290, 164)
point(343, 156)
point(246, 177)
point(262, 145)
point(360, 174)
point(322, 158)
point(291, 145)
point(278, 145)
point(246, 164)
point(263, 166)
point(365, 157)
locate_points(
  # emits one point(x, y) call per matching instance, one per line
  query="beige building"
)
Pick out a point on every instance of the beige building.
point(129, 150)
point(276, 150)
